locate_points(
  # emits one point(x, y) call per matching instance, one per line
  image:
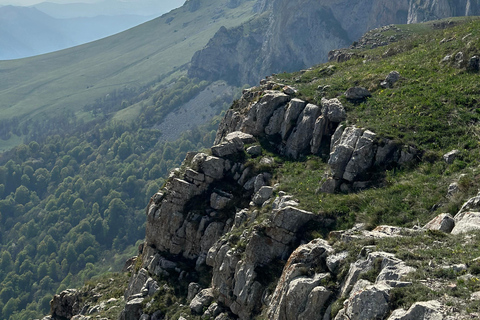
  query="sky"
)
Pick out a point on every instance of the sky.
point(32, 2)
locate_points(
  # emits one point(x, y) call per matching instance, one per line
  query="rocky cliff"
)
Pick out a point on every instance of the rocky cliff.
point(292, 35)
point(222, 216)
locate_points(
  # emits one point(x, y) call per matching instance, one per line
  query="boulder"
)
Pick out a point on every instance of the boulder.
point(333, 110)
point(228, 148)
point(390, 80)
point(65, 305)
point(473, 64)
point(220, 200)
point(262, 195)
point(357, 93)
point(428, 310)
point(244, 137)
point(369, 303)
point(254, 151)
point(213, 167)
point(451, 156)
point(133, 310)
point(202, 300)
point(289, 90)
point(443, 222)
point(468, 221)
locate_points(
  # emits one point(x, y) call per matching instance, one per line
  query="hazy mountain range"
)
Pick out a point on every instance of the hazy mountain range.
point(48, 27)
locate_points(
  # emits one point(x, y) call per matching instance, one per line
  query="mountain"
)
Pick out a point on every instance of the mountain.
point(278, 40)
point(108, 7)
point(345, 191)
point(28, 31)
point(150, 53)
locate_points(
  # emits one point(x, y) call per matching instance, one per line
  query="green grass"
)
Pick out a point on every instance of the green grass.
point(433, 105)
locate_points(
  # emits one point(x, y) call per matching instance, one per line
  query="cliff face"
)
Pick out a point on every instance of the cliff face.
point(291, 35)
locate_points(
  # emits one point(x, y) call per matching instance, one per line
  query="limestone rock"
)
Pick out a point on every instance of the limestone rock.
point(451, 156)
point(443, 222)
point(468, 221)
point(263, 194)
point(319, 131)
point(370, 303)
point(453, 188)
point(316, 303)
point(244, 137)
point(202, 300)
point(361, 266)
point(227, 148)
point(362, 157)
point(136, 283)
point(254, 151)
point(293, 110)
point(473, 204)
point(343, 150)
point(357, 93)
point(334, 261)
point(473, 64)
point(289, 90)
point(333, 110)
point(275, 124)
point(193, 289)
point(296, 293)
point(133, 310)
point(299, 140)
point(428, 310)
point(65, 305)
point(219, 200)
point(259, 114)
point(390, 80)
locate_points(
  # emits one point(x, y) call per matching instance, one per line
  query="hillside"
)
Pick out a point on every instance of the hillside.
point(44, 86)
point(345, 191)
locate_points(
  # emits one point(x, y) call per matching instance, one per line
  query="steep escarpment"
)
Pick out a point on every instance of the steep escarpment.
point(292, 35)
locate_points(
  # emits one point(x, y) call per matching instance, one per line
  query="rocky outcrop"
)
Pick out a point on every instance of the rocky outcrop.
point(302, 128)
point(354, 151)
point(65, 305)
point(299, 295)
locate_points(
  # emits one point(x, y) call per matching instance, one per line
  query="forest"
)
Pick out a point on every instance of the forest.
point(72, 202)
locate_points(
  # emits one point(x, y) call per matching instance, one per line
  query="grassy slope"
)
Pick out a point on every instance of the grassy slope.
point(74, 77)
point(434, 107)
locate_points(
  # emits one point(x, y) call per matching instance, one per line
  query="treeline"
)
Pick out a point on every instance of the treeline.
point(67, 199)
